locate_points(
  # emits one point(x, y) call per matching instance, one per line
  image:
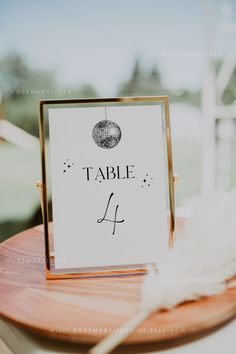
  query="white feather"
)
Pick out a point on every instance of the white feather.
point(203, 258)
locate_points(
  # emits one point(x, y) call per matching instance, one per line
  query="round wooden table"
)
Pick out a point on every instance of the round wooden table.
point(87, 310)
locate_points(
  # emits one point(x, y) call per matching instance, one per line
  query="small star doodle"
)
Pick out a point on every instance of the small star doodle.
point(146, 181)
point(67, 165)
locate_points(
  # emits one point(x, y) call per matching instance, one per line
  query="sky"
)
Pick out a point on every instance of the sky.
point(97, 41)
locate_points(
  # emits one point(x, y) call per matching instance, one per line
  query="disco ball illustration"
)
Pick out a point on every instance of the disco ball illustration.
point(106, 134)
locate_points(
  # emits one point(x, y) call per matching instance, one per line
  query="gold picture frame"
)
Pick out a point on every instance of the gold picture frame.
point(51, 272)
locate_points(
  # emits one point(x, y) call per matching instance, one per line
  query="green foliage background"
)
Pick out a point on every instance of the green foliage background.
point(21, 87)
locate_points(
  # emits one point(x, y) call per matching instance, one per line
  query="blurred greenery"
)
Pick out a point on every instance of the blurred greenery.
point(18, 180)
point(149, 82)
point(22, 86)
point(18, 193)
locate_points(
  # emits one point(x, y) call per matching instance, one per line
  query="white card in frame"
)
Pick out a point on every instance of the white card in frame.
point(108, 165)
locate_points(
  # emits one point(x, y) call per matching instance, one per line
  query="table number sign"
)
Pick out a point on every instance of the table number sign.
point(111, 181)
